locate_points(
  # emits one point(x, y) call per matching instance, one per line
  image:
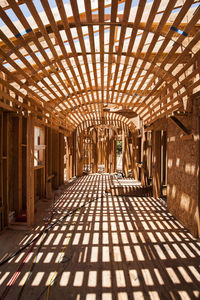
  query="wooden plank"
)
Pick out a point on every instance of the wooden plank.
point(61, 159)
point(5, 162)
point(156, 164)
point(30, 171)
point(180, 125)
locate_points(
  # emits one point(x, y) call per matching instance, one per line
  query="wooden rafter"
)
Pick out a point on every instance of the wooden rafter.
point(68, 64)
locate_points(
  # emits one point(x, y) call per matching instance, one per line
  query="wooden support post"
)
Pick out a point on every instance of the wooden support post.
point(132, 154)
point(30, 171)
point(115, 154)
point(102, 151)
point(111, 158)
point(135, 158)
point(61, 159)
point(55, 159)
point(50, 152)
point(73, 152)
point(144, 159)
point(124, 153)
point(48, 162)
point(94, 151)
point(90, 152)
point(15, 163)
point(79, 152)
point(2, 212)
point(5, 162)
point(47, 186)
point(24, 162)
point(70, 152)
point(43, 177)
point(67, 159)
point(107, 151)
point(163, 158)
point(20, 163)
point(156, 146)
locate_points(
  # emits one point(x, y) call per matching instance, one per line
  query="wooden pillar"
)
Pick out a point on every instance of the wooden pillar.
point(48, 163)
point(99, 150)
point(90, 152)
point(15, 164)
point(69, 150)
point(134, 165)
point(94, 151)
point(124, 153)
point(67, 159)
point(55, 159)
point(156, 146)
point(20, 163)
point(132, 154)
point(163, 158)
point(103, 144)
point(5, 162)
point(47, 186)
point(73, 153)
point(111, 140)
point(114, 152)
point(79, 152)
point(24, 162)
point(30, 171)
point(107, 151)
point(144, 159)
point(61, 159)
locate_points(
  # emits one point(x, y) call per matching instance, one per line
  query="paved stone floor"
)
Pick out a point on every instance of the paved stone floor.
point(111, 248)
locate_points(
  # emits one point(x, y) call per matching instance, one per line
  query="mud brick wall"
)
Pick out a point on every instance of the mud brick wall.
point(183, 173)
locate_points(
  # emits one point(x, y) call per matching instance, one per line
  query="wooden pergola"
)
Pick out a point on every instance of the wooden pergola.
point(88, 60)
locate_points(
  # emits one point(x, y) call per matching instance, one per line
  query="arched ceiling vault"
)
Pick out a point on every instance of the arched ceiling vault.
point(114, 122)
point(66, 63)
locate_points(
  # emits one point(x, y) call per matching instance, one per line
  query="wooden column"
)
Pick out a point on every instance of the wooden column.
point(125, 153)
point(73, 153)
point(115, 153)
point(99, 151)
point(67, 159)
point(47, 186)
point(103, 145)
point(90, 152)
point(69, 149)
point(156, 145)
point(111, 152)
point(94, 151)
point(48, 162)
point(24, 162)
point(107, 151)
point(30, 171)
point(144, 159)
point(135, 158)
point(131, 145)
point(5, 162)
point(15, 163)
point(79, 152)
point(20, 163)
point(55, 159)
point(61, 159)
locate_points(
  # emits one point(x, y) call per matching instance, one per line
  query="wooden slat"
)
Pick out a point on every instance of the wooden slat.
point(65, 88)
point(176, 23)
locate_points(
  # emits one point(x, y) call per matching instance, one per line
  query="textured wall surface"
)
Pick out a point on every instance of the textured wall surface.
point(183, 174)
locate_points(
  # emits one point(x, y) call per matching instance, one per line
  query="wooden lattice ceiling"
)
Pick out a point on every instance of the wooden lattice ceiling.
point(69, 61)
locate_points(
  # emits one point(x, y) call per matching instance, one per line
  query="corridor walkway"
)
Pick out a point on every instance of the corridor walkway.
point(111, 248)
